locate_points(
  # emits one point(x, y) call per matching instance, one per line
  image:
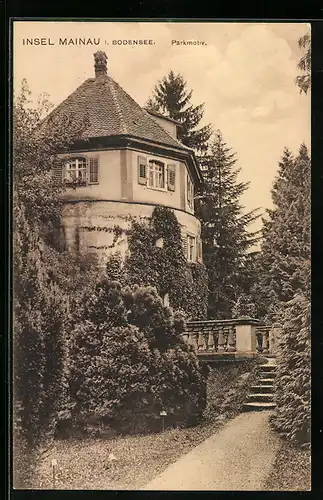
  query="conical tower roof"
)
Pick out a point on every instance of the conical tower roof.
point(110, 111)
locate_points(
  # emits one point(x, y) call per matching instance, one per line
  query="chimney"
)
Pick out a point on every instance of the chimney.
point(100, 63)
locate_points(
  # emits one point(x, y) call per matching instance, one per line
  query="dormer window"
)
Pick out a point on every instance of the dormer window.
point(156, 174)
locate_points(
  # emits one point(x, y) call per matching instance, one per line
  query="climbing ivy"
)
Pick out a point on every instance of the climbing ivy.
point(156, 258)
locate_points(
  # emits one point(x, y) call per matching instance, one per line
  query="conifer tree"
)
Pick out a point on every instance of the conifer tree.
point(284, 262)
point(172, 98)
point(304, 80)
point(225, 235)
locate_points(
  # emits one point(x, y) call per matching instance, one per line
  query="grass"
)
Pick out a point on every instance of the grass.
point(291, 471)
point(87, 464)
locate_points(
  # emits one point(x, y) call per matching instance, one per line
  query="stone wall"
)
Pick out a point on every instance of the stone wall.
point(86, 225)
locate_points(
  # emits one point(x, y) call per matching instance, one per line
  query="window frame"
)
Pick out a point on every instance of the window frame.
point(87, 169)
point(190, 192)
point(157, 163)
point(193, 239)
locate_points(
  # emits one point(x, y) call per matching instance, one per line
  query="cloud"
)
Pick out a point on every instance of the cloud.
point(257, 61)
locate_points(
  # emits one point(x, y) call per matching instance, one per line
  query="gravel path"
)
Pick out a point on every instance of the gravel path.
point(238, 458)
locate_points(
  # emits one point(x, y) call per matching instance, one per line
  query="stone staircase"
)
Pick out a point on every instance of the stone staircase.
point(261, 395)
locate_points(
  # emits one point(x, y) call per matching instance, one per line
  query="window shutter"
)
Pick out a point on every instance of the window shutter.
point(199, 250)
point(58, 174)
point(93, 169)
point(188, 188)
point(185, 246)
point(142, 170)
point(171, 174)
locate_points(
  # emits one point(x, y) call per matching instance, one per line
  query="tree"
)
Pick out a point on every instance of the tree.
point(292, 417)
point(41, 307)
point(172, 97)
point(284, 263)
point(304, 64)
point(225, 235)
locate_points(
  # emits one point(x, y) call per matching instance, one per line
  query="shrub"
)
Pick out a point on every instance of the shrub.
point(128, 361)
point(292, 417)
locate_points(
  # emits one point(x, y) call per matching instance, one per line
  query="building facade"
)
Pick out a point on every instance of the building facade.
point(127, 161)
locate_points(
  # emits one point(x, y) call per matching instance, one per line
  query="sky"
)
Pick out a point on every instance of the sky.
point(243, 72)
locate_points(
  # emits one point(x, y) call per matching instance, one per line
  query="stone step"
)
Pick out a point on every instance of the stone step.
point(271, 374)
point(254, 406)
point(267, 381)
point(260, 397)
point(268, 368)
point(262, 389)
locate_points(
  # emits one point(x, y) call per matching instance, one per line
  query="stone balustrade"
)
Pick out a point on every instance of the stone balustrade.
point(246, 335)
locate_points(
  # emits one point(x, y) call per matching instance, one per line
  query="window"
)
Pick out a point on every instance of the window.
point(191, 248)
point(75, 171)
point(190, 193)
point(80, 171)
point(156, 174)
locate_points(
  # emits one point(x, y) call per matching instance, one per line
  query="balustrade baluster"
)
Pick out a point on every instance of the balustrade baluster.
point(210, 341)
point(265, 341)
point(231, 340)
point(200, 343)
point(216, 339)
point(221, 340)
point(186, 337)
point(259, 339)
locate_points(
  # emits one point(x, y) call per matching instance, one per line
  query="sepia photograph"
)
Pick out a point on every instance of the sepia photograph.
point(161, 214)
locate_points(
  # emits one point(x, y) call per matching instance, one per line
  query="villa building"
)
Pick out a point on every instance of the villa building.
point(128, 161)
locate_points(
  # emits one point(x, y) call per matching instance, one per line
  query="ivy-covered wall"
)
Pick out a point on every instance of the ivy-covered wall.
point(156, 258)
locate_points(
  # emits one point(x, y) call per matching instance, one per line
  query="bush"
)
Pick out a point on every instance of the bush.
point(128, 362)
point(293, 398)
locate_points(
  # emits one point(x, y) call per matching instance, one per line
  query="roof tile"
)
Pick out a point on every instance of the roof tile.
point(112, 112)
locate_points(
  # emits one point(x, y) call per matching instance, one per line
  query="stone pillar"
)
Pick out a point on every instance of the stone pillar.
point(273, 340)
point(246, 340)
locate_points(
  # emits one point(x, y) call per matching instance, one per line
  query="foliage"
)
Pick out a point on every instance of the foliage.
point(304, 81)
point(284, 261)
point(128, 359)
point(293, 381)
point(36, 144)
point(164, 267)
point(228, 386)
point(244, 307)
point(172, 97)
point(225, 235)
point(41, 281)
point(40, 323)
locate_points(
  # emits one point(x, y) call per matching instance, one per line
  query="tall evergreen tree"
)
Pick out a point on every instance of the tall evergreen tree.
point(304, 64)
point(225, 235)
point(172, 97)
point(285, 253)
